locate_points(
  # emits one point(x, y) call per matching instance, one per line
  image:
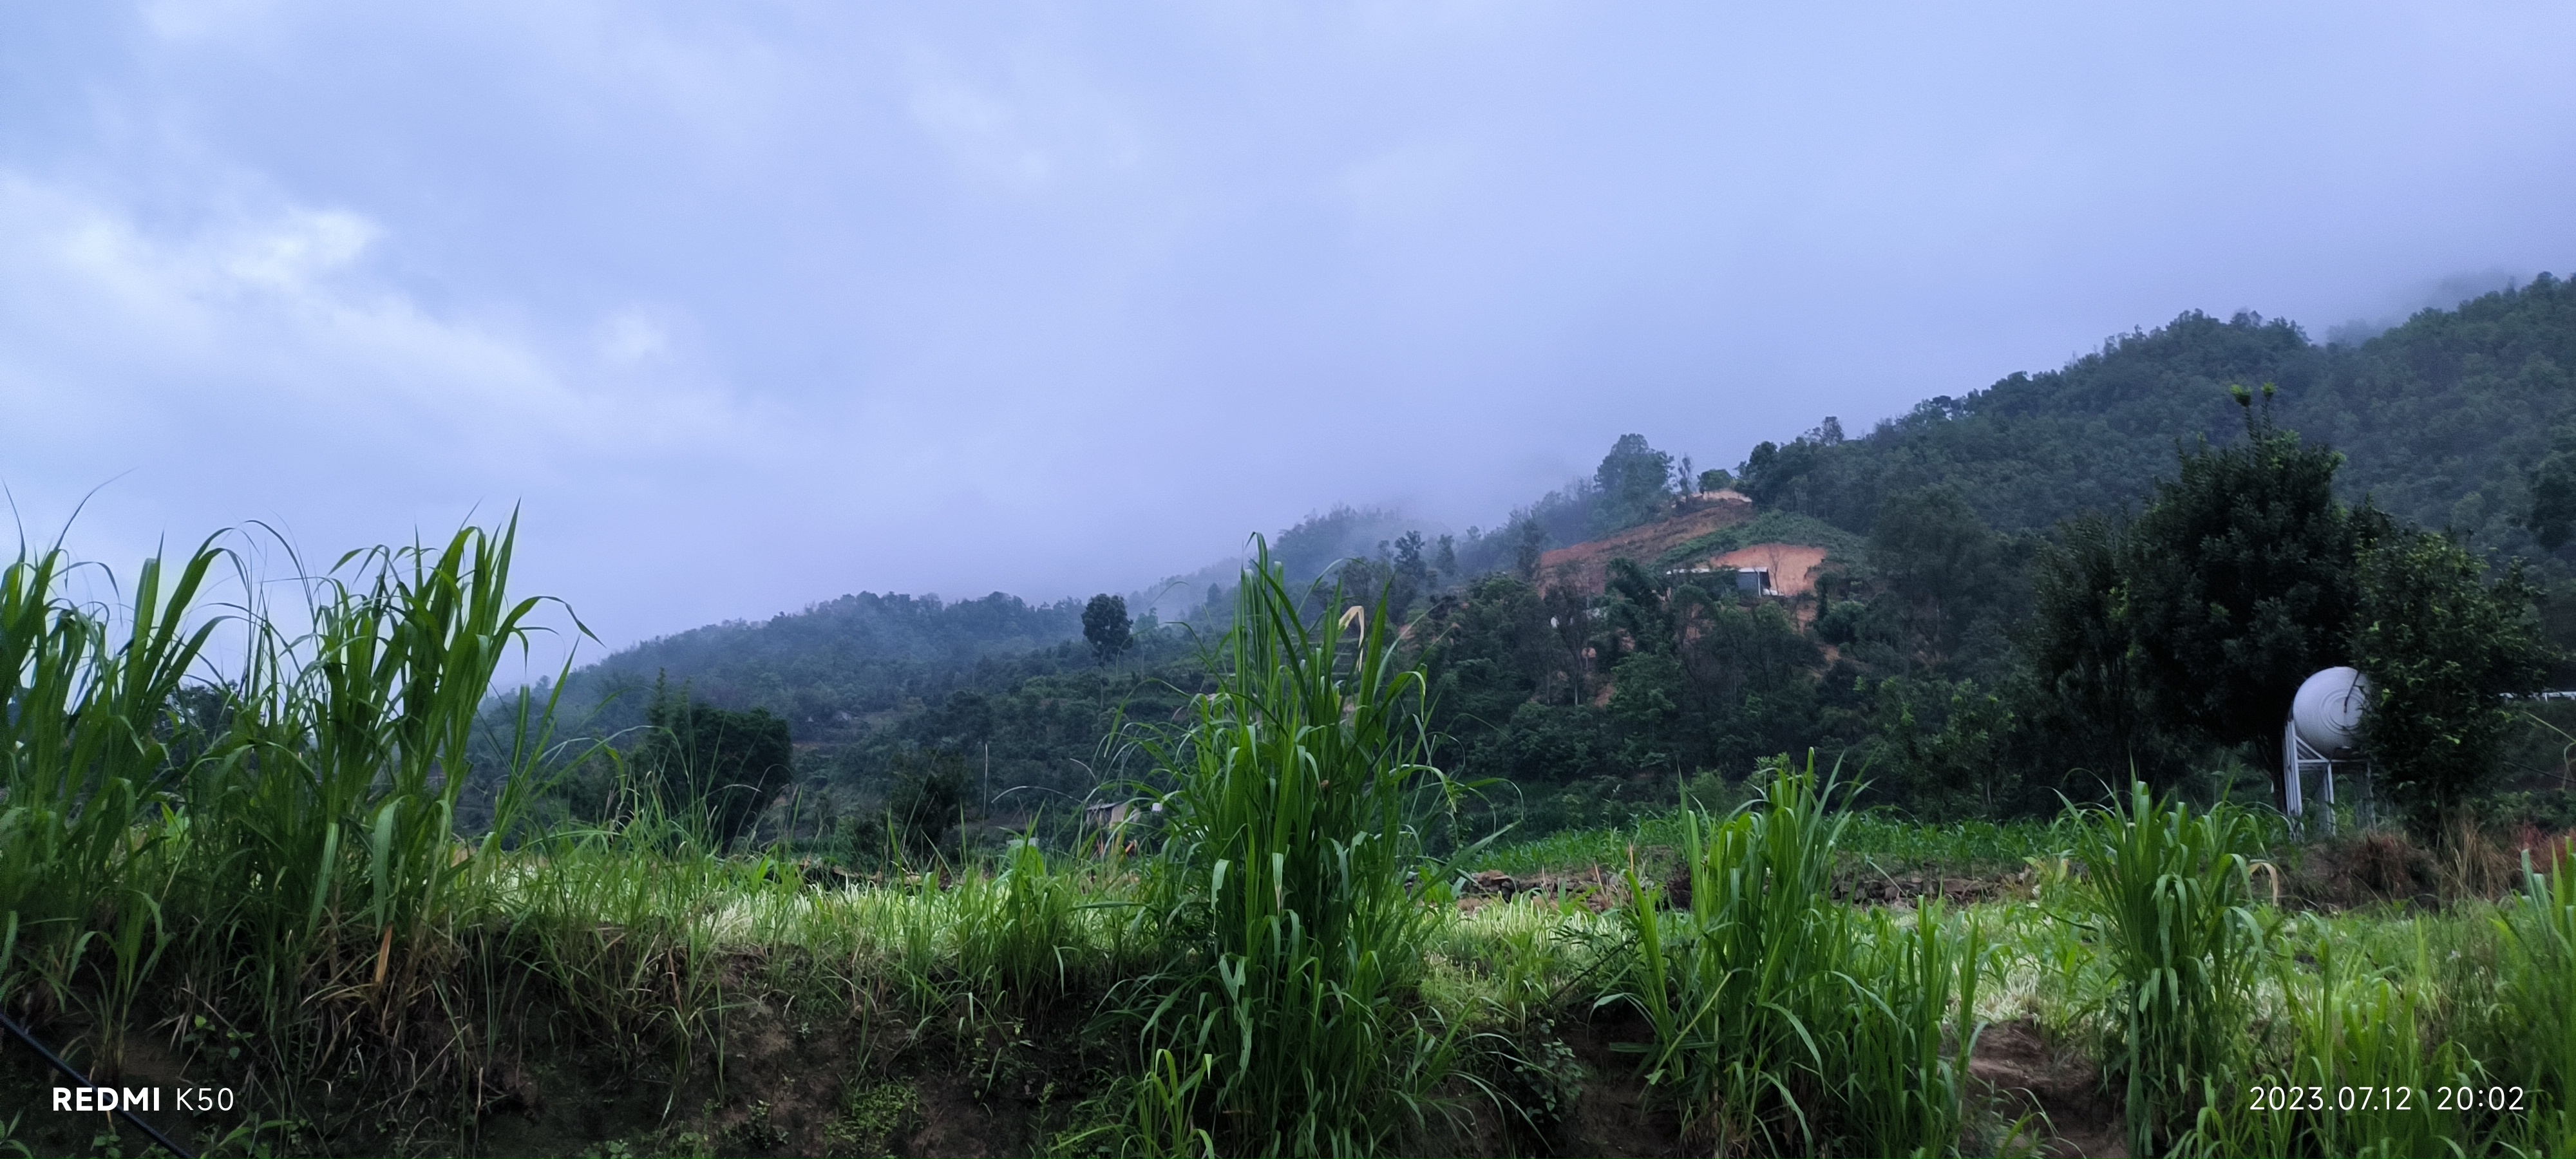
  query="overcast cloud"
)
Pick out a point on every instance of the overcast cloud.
point(750, 306)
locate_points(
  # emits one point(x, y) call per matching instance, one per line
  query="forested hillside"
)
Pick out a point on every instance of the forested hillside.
point(2440, 419)
point(829, 667)
point(1912, 656)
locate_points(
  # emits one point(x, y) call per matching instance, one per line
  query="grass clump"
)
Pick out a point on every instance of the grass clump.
point(2170, 890)
point(1784, 1022)
point(2538, 984)
point(1285, 1020)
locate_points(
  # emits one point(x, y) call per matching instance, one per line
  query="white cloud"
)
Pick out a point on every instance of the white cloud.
point(271, 328)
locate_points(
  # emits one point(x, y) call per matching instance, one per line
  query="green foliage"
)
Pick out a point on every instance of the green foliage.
point(1633, 485)
point(2443, 419)
point(1783, 1023)
point(2441, 648)
point(2085, 707)
point(1942, 570)
point(934, 791)
point(1529, 547)
point(1280, 1025)
point(715, 767)
point(1698, 677)
point(1309, 550)
point(1942, 744)
point(2539, 988)
point(2552, 517)
point(2358, 1035)
point(2239, 582)
point(1104, 626)
point(2171, 892)
point(239, 833)
point(824, 668)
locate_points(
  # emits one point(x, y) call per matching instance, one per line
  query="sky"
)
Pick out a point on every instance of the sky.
point(746, 306)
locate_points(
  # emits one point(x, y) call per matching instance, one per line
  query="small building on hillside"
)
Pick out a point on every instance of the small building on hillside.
point(1585, 567)
point(1787, 570)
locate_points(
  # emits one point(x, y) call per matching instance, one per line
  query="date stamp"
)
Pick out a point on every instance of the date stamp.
point(2348, 1100)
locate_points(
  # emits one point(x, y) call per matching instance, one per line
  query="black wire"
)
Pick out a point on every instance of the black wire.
point(78, 1077)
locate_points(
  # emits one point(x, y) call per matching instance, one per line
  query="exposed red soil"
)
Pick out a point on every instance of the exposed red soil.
point(1585, 567)
point(1793, 566)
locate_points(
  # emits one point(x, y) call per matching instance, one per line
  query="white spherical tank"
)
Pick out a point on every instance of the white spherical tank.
point(2327, 711)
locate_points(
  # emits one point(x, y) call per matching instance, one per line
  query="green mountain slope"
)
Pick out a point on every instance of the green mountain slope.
point(829, 667)
point(2441, 420)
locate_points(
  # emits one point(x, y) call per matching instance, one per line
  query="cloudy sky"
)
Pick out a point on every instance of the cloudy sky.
point(751, 305)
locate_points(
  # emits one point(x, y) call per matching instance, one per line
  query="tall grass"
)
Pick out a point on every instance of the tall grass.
point(1284, 1023)
point(2170, 890)
point(2351, 1028)
point(284, 829)
point(84, 767)
point(1784, 1023)
point(2538, 984)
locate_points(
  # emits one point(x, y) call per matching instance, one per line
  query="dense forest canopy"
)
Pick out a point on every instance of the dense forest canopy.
point(1973, 548)
point(2441, 421)
point(826, 667)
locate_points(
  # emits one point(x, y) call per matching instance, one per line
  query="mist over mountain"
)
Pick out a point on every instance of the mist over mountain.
point(2443, 421)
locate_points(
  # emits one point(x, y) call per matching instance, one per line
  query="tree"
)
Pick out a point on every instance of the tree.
point(1940, 561)
point(2441, 648)
point(931, 794)
point(716, 766)
point(2552, 519)
point(1104, 624)
point(1411, 577)
point(1632, 485)
point(1529, 549)
point(2086, 710)
point(2238, 583)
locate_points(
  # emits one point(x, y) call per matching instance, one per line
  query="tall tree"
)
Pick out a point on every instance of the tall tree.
point(1104, 624)
point(1528, 548)
point(1632, 485)
point(2239, 582)
point(716, 766)
point(1410, 579)
point(2442, 649)
point(1940, 561)
point(2552, 518)
point(2087, 711)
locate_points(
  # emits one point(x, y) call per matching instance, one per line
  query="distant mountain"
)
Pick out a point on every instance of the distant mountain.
point(2441, 419)
point(830, 667)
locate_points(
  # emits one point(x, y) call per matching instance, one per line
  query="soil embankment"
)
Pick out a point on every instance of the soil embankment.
point(1586, 566)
